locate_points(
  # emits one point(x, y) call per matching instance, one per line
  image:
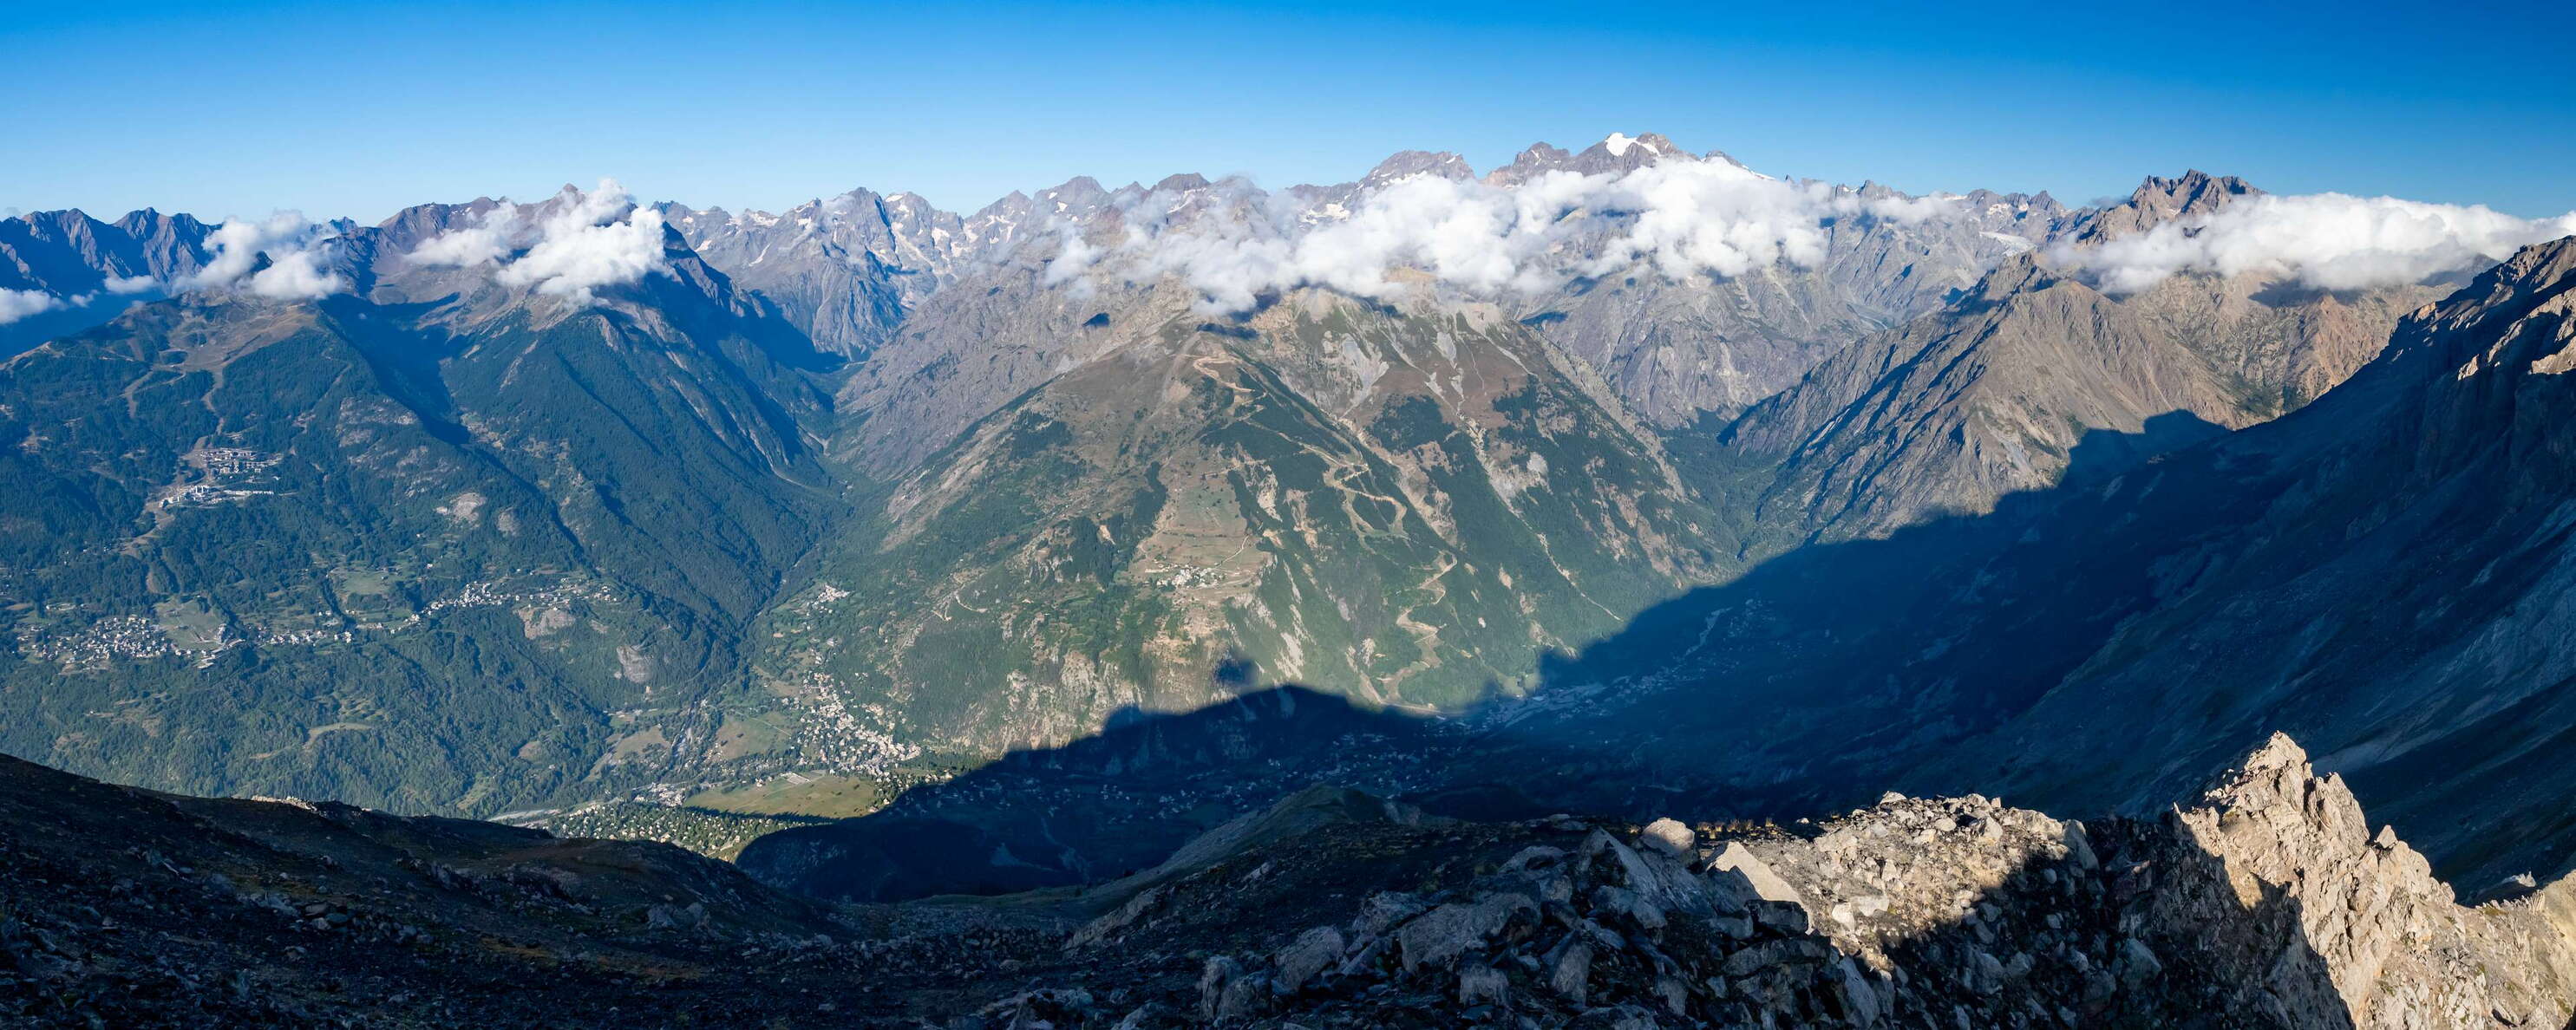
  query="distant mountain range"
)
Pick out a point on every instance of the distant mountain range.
point(1637, 466)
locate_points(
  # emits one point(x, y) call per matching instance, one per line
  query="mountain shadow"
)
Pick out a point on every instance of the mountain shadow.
point(1098, 808)
point(1731, 746)
point(1817, 678)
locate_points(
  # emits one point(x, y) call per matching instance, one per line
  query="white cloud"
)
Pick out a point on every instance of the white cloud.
point(1075, 257)
point(131, 283)
point(1682, 216)
point(485, 242)
point(2326, 240)
point(295, 270)
point(588, 241)
point(18, 304)
point(296, 275)
point(1713, 217)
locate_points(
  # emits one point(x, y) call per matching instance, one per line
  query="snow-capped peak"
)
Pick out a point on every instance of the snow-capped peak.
point(1619, 142)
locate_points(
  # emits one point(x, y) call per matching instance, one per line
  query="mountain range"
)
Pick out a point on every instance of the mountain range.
point(1622, 479)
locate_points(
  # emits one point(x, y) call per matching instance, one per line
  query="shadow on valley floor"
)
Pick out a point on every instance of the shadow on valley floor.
point(1107, 805)
point(1795, 689)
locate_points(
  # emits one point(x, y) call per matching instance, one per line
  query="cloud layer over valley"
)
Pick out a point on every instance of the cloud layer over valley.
point(1681, 216)
point(2327, 240)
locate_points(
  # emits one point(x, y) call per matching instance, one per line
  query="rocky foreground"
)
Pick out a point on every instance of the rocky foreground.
point(2266, 901)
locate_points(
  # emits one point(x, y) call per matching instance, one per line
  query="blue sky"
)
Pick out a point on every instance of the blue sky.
point(356, 109)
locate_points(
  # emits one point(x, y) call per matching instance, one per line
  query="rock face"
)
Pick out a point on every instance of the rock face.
point(848, 269)
point(2396, 947)
point(1992, 395)
point(2391, 938)
point(68, 252)
point(2267, 897)
point(94, 270)
point(2439, 472)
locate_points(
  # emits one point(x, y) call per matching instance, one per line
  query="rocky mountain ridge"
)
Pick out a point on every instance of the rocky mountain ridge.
point(1672, 347)
point(1990, 396)
point(67, 271)
point(2262, 902)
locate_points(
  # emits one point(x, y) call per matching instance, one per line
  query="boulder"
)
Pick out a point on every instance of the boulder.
point(1310, 954)
point(1442, 934)
point(1668, 836)
point(1571, 973)
point(1752, 873)
point(1483, 985)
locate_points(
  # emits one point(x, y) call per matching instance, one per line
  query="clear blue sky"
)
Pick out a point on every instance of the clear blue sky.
point(357, 109)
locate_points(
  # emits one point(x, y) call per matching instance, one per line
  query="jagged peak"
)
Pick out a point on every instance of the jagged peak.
point(1541, 153)
point(1621, 150)
point(1618, 144)
point(437, 215)
point(66, 216)
point(1532, 160)
point(2546, 260)
point(2020, 273)
point(2466, 332)
point(2191, 191)
point(1617, 152)
point(2276, 752)
point(2159, 199)
point(1408, 163)
point(140, 221)
point(2274, 769)
point(1080, 185)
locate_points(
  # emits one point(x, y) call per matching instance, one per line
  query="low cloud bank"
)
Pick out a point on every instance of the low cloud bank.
point(2326, 240)
point(294, 248)
point(18, 304)
point(1682, 217)
point(576, 243)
